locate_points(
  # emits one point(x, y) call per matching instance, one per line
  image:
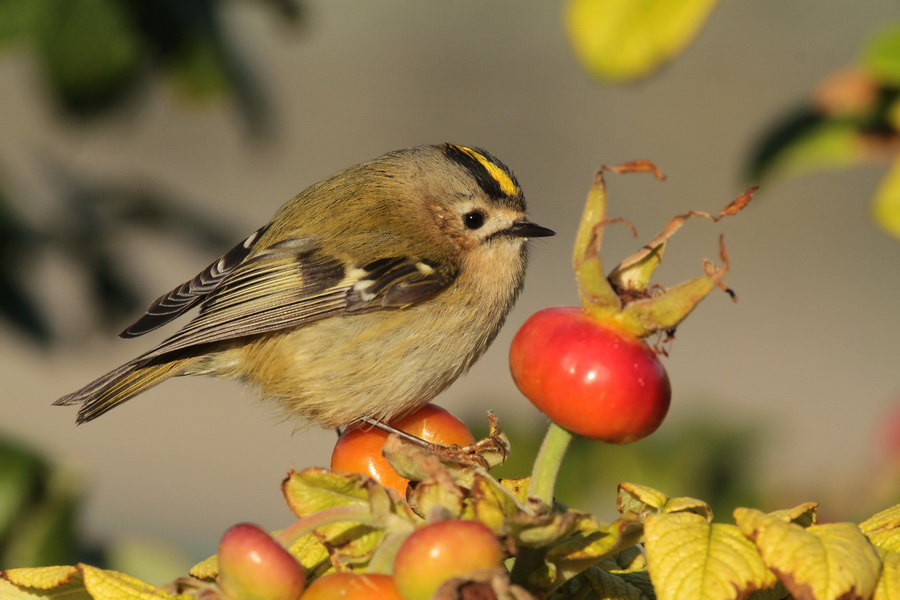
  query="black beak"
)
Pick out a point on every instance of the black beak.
point(527, 229)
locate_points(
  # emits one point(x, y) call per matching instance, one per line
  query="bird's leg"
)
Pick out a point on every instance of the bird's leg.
point(406, 436)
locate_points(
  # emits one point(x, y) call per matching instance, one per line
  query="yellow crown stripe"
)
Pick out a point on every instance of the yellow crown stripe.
point(507, 185)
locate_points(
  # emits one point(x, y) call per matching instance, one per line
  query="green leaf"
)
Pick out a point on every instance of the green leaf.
point(642, 500)
point(18, 19)
point(886, 205)
point(492, 503)
point(589, 546)
point(689, 557)
point(822, 561)
point(807, 141)
point(882, 55)
point(314, 490)
point(617, 586)
point(199, 70)
point(620, 40)
point(88, 50)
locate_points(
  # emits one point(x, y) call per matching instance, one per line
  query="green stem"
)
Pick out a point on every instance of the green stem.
point(547, 464)
point(338, 514)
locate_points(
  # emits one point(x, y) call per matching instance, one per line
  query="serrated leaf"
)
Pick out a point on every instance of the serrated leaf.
point(882, 55)
point(886, 204)
point(639, 499)
point(42, 578)
point(888, 587)
point(834, 560)
point(313, 490)
point(689, 557)
point(889, 518)
point(883, 529)
point(620, 40)
point(542, 529)
point(586, 548)
point(206, 569)
point(73, 590)
point(642, 500)
point(112, 585)
point(803, 515)
point(691, 505)
point(618, 586)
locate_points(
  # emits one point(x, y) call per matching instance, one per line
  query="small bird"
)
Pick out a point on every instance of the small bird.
point(365, 297)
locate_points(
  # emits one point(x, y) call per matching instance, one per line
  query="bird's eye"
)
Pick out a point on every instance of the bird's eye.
point(474, 219)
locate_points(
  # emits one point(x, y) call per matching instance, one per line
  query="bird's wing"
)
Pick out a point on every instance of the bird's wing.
point(295, 282)
point(190, 293)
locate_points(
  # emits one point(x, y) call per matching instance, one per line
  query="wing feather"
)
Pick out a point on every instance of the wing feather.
point(190, 293)
point(293, 283)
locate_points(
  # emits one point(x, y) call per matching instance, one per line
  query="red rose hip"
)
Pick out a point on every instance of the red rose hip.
point(590, 377)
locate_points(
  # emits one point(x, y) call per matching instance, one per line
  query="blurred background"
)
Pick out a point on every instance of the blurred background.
point(118, 186)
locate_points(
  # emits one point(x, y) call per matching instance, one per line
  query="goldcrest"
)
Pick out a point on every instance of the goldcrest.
point(366, 295)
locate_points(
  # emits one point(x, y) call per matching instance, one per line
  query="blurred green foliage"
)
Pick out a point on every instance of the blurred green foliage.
point(713, 461)
point(38, 504)
point(852, 118)
point(95, 57)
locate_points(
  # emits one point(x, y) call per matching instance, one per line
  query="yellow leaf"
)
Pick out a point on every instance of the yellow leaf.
point(621, 40)
point(822, 561)
point(42, 578)
point(803, 515)
point(206, 569)
point(689, 557)
point(66, 591)
point(886, 519)
point(886, 205)
point(639, 499)
point(883, 529)
point(888, 587)
point(112, 585)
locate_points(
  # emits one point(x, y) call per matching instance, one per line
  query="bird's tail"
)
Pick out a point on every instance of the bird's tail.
point(121, 384)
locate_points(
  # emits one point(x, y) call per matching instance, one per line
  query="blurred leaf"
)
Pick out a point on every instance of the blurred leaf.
point(808, 141)
point(18, 19)
point(620, 40)
point(150, 560)
point(199, 70)
point(45, 535)
point(22, 472)
point(18, 246)
point(37, 510)
point(882, 55)
point(886, 205)
point(88, 51)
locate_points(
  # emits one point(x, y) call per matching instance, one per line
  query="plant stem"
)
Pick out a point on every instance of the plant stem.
point(547, 464)
point(338, 514)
